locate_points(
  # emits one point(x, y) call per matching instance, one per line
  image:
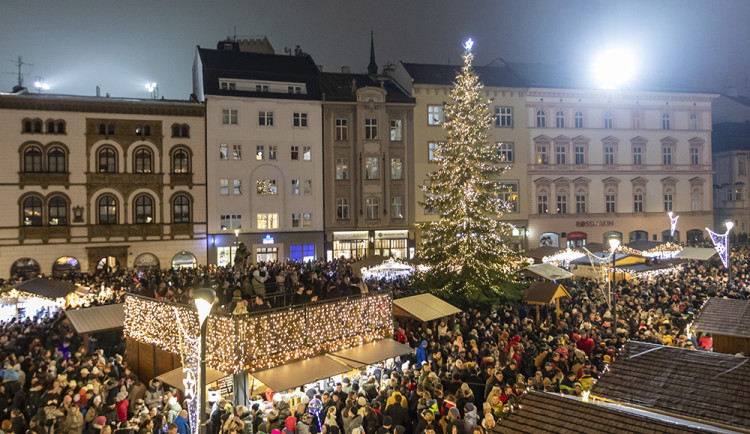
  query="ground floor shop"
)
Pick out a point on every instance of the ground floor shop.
point(266, 246)
point(398, 244)
point(576, 231)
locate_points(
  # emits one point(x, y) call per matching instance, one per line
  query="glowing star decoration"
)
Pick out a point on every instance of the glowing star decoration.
point(468, 44)
point(721, 243)
point(672, 222)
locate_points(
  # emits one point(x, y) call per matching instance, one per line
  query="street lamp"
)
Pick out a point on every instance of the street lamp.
point(729, 224)
point(40, 85)
point(236, 246)
point(204, 301)
point(153, 88)
point(614, 244)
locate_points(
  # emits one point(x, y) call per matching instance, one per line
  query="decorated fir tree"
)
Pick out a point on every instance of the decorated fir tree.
point(467, 247)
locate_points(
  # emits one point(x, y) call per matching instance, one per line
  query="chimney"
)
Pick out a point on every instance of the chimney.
point(98, 91)
point(345, 69)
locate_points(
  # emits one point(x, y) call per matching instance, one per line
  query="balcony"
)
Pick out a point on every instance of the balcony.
point(181, 179)
point(125, 182)
point(124, 231)
point(43, 179)
point(44, 233)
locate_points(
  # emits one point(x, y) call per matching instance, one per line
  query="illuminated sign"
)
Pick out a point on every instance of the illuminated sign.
point(268, 239)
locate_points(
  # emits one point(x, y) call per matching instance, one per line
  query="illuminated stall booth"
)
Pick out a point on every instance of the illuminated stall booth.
point(544, 294)
point(40, 296)
point(728, 321)
point(388, 270)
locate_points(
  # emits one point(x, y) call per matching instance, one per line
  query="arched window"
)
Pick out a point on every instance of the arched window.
point(143, 160)
point(107, 210)
point(144, 210)
point(111, 129)
point(560, 119)
point(27, 126)
point(32, 211)
point(665, 124)
point(696, 200)
point(37, 126)
point(58, 211)
point(56, 160)
point(185, 131)
point(32, 160)
point(107, 160)
point(147, 130)
point(181, 209)
point(541, 119)
point(60, 127)
point(180, 162)
point(102, 129)
point(50, 127)
point(176, 130)
point(373, 208)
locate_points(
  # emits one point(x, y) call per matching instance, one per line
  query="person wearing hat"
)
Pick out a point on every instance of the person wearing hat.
point(397, 411)
point(422, 353)
point(387, 427)
point(121, 405)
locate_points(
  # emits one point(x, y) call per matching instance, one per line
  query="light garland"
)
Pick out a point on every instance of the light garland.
point(248, 343)
point(721, 244)
point(672, 223)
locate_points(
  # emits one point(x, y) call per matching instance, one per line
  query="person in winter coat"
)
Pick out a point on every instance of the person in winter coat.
point(183, 426)
point(272, 421)
point(352, 420)
point(121, 404)
point(74, 421)
point(399, 415)
point(289, 425)
point(422, 353)
point(470, 418)
point(154, 394)
point(174, 410)
point(246, 417)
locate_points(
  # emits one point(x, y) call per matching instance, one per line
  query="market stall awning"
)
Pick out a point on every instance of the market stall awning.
point(373, 352)
point(175, 377)
point(97, 319)
point(424, 307)
point(543, 251)
point(702, 253)
point(294, 374)
point(46, 287)
point(547, 271)
point(545, 292)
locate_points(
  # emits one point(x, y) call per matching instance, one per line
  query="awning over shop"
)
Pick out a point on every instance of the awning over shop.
point(424, 307)
point(175, 377)
point(46, 287)
point(373, 352)
point(97, 319)
point(294, 374)
point(547, 271)
point(702, 253)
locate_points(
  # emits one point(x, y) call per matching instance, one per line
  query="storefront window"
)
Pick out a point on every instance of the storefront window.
point(350, 248)
point(395, 248)
point(225, 255)
point(267, 254)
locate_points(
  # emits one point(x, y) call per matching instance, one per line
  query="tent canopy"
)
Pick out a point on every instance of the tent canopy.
point(547, 271)
point(702, 253)
point(543, 251)
point(373, 352)
point(294, 374)
point(46, 287)
point(545, 292)
point(643, 245)
point(424, 307)
point(175, 377)
point(97, 319)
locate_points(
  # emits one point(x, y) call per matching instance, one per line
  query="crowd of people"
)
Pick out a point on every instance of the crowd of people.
point(467, 373)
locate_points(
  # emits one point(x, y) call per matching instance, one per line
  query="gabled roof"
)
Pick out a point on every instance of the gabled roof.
point(97, 319)
point(338, 86)
point(424, 307)
point(545, 292)
point(491, 76)
point(547, 271)
point(710, 387)
point(724, 317)
point(46, 287)
point(256, 66)
point(552, 413)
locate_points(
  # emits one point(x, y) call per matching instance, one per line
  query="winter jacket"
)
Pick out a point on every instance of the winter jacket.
point(351, 422)
point(174, 411)
point(183, 426)
point(153, 396)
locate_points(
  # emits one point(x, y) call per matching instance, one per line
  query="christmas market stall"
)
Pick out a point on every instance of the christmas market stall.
point(546, 271)
point(40, 296)
point(99, 322)
point(423, 307)
point(544, 294)
point(697, 253)
point(652, 249)
point(728, 322)
point(388, 270)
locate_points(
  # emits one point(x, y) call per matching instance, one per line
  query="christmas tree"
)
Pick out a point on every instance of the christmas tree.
point(466, 248)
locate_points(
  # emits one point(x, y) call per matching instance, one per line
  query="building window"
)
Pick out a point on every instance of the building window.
point(372, 168)
point(237, 152)
point(666, 155)
point(58, 211)
point(272, 151)
point(223, 151)
point(261, 88)
point(560, 119)
point(60, 127)
point(696, 200)
point(396, 130)
point(542, 207)
point(306, 220)
point(508, 193)
point(296, 219)
point(541, 119)
point(111, 129)
point(504, 117)
point(609, 203)
point(228, 85)
point(32, 160)
point(259, 152)
point(107, 160)
point(342, 129)
point(300, 120)
point(138, 129)
point(637, 155)
point(266, 187)
point(741, 170)
point(342, 208)
point(229, 116)
point(295, 186)
point(579, 119)
point(107, 210)
point(738, 194)
point(667, 202)
point(302, 252)
point(237, 187)
point(307, 187)
point(144, 210)
point(265, 119)
point(432, 148)
point(181, 209)
point(609, 155)
point(372, 205)
point(143, 160)
point(306, 153)
point(294, 89)
point(294, 152)
point(693, 121)
point(695, 156)
point(230, 221)
point(638, 202)
point(580, 204)
point(224, 187)
point(636, 120)
point(371, 128)
point(730, 197)
point(580, 154)
point(562, 203)
point(561, 154)
point(542, 154)
point(342, 168)
point(505, 151)
point(32, 211)
point(397, 168)
point(435, 115)
point(180, 161)
point(268, 221)
point(665, 121)
point(51, 127)
point(608, 120)
point(397, 207)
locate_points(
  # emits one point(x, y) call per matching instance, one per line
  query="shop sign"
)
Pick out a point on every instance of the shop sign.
point(268, 239)
point(391, 234)
point(358, 235)
point(594, 223)
point(146, 260)
point(576, 236)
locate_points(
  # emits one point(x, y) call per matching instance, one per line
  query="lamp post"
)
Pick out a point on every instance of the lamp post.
point(729, 225)
point(153, 88)
point(614, 244)
point(204, 301)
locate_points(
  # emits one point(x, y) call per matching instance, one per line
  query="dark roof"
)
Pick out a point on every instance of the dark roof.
point(541, 292)
point(256, 66)
point(338, 87)
point(710, 387)
point(643, 245)
point(493, 76)
point(46, 287)
point(724, 317)
point(552, 413)
point(730, 136)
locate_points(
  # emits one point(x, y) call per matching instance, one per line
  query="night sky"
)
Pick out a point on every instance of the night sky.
point(120, 45)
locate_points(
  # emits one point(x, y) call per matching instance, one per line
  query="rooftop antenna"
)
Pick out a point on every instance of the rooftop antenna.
point(19, 64)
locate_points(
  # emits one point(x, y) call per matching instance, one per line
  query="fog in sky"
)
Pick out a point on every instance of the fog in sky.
point(120, 45)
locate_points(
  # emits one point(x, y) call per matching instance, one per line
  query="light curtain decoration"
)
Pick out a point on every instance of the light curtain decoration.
point(189, 344)
point(721, 244)
point(672, 223)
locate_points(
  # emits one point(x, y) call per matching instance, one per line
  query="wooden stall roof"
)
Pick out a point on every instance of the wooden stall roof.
point(552, 413)
point(701, 253)
point(424, 307)
point(708, 387)
point(543, 251)
point(46, 287)
point(545, 292)
point(547, 271)
point(721, 316)
point(97, 319)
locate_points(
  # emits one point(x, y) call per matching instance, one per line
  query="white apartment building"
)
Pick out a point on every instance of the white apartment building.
point(264, 153)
